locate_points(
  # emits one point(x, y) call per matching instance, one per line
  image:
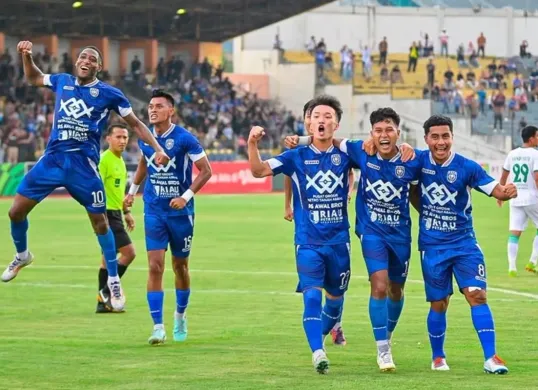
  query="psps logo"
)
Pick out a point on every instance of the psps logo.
point(336, 159)
point(75, 108)
point(94, 92)
point(451, 176)
point(169, 144)
point(400, 171)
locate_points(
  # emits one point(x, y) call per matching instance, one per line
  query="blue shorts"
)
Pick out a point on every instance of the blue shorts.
point(438, 266)
point(381, 255)
point(72, 170)
point(176, 231)
point(324, 266)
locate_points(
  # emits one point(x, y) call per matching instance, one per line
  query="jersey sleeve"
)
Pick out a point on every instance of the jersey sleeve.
point(52, 81)
point(507, 166)
point(120, 103)
point(479, 179)
point(283, 163)
point(194, 149)
point(353, 148)
point(417, 163)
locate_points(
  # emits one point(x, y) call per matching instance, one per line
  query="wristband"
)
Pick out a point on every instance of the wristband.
point(134, 189)
point(187, 195)
point(304, 140)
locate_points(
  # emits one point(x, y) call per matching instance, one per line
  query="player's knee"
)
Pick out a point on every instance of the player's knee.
point(475, 296)
point(99, 223)
point(156, 267)
point(129, 255)
point(312, 297)
point(181, 268)
point(440, 306)
point(16, 214)
point(379, 288)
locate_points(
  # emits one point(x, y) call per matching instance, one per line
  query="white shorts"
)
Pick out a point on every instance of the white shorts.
point(520, 215)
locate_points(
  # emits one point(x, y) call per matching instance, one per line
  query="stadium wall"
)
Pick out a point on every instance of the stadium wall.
point(345, 25)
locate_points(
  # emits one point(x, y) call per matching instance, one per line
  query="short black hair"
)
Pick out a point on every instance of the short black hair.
point(100, 59)
point(327, 100)
point(159, 93)
point(113, 126)
point(528, 132)
point(307, 108)
point(382, 114)
point(437, 120)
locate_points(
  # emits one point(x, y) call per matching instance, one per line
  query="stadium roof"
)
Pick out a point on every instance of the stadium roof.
point(204, 20)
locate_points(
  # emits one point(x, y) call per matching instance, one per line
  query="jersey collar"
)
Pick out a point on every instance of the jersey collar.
point(92, 84)
point(166, 133)
point(317, 151)
point(394, 159)
point(447, 162)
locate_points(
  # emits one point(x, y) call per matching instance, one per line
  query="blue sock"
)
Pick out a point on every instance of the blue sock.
point(378, 318)
point(108, 246)
point(331, 313)
point(18, 232)
point(483, 323)
point(182, 300)
point(394, 309)
point(155, 302)
point(436, 330)
point(312, 318)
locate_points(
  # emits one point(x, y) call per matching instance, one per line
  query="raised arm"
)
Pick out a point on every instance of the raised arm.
point(33, 74)
point(145, 135)
point(258, 167)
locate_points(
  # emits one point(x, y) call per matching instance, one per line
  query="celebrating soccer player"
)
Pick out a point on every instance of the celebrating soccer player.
point(320, 176)
point(114, 174)
point(522, 163)
point(447, 240)
point(384, 224)
point(169, 210)
point(72, 155)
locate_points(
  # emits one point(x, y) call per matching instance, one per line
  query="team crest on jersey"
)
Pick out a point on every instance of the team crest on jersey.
point(94, 92)
point(336, 159)
point(169, 144)
point(400, 171)
point(451, 176)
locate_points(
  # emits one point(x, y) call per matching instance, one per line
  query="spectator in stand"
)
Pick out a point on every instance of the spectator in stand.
point(481, 43)
point(383, 51)
point(523, 50)
point(136, 68)
point(443, 38)
point(499, 102)
point(449, 77)
point(482, 97)
point(311, 45)
point(430, 69)
point(413, 58)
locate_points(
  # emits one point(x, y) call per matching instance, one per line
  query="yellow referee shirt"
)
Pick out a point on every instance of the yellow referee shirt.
point(114, 175)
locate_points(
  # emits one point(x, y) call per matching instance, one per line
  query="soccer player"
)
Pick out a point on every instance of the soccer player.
point(522, 163)
point(72, 155)
point(337, 332)
point(447, 241)
point(320, 176)
point(384, 224)
point(114, 174)
point(169, 210)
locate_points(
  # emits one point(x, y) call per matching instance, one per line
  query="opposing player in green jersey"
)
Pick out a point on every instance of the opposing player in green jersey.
point(114, 175)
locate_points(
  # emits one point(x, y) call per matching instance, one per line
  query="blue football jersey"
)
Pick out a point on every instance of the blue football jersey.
point(382, 201)
point(445, 201)
point(81, 113)
point(163, 183)
point(320, 189)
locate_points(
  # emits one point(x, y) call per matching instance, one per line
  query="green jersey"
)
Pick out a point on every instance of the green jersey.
point(114, 175)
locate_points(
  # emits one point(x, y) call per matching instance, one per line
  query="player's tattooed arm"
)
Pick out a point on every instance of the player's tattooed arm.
point(505, 192)
point(502, 181)
point(145, 135)
point(33, 74)
point(414, 197)
point(139, 176)
point(258, 167)
point(288, 211)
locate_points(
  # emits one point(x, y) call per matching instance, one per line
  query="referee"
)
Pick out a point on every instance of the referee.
point(114, 175)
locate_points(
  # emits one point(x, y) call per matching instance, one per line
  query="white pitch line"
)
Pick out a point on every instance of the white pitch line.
point(223, 291)
point(275, 273)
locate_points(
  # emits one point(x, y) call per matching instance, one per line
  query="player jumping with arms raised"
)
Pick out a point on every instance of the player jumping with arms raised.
point(337, 332)
point(320, 176)
point(169, 210)
point(522, 163)
point(72, 155)
point(447, 240)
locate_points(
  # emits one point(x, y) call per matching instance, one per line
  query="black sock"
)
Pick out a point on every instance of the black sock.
point(121, 269)
point(103, 277)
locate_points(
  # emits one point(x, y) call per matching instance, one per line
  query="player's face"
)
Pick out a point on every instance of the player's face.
point(307, 121)
point(87, 64)
point(323, 123)
point(385, 135)
point(439, 140)
point(117, 141)
point(159, 110)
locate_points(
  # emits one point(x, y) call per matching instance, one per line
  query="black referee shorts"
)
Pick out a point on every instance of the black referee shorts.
point(115, 220)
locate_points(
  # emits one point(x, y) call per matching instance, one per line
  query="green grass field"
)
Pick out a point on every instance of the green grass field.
point(245, 322)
